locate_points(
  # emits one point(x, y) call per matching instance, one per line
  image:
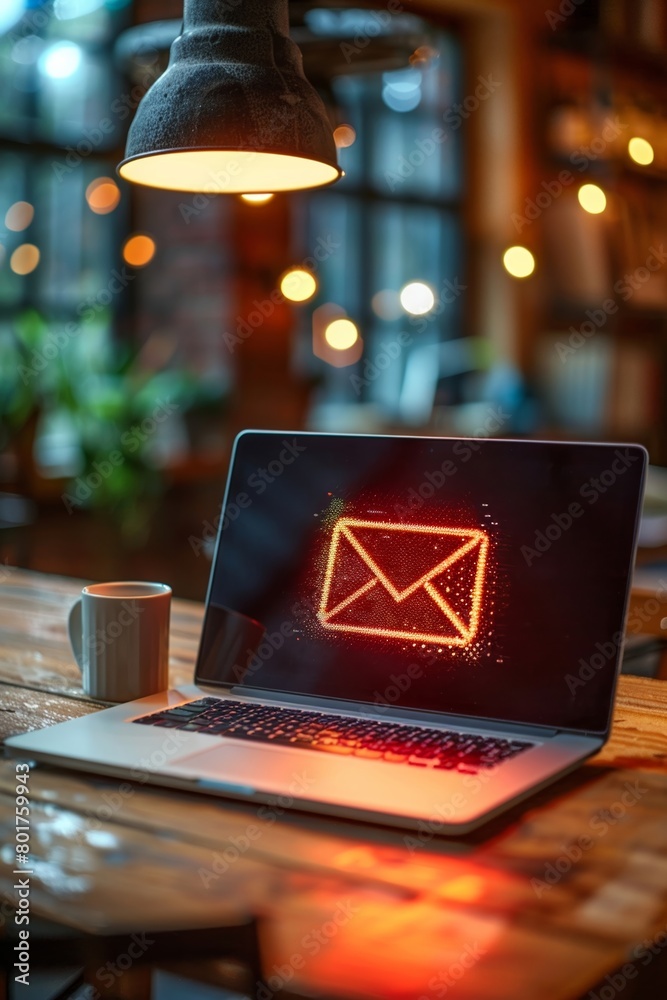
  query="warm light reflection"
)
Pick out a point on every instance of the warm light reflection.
point(102, 195)
point(423, 55)
point(24, 259)
point(298, 285)
point(341, 334)
point(518, 261)
point(139, 250)
point(19, 216)
point(641, 151)
point(344, 136)
point(213, 171)
point(417, 298)
point(464, 889)
point(592, 198)
point(257, 199)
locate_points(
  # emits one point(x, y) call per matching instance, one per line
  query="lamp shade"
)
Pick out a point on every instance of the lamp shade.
point(233, 111)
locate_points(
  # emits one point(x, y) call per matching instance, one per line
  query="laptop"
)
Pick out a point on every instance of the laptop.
point(405, 630)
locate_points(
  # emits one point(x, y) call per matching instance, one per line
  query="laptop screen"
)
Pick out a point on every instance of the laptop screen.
point(475, 577)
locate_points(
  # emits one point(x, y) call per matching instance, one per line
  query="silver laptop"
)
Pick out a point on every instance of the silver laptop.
point(398, 629)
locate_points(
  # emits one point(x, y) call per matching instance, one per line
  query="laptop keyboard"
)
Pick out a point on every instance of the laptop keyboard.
point(395, 743)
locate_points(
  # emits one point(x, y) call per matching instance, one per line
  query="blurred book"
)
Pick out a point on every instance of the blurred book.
point(653, 529)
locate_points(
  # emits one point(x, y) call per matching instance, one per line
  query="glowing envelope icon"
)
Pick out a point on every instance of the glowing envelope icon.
point(401, 581)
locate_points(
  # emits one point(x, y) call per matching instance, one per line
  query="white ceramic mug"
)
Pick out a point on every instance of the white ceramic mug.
point(119, 633)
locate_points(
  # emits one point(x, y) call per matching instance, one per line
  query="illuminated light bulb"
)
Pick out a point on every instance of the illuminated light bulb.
point(257, 199)
point(25, 259)
point(102, 195)
point(60, 60)
point(267, 130)
point(417, 298)
point(518, 261)
point(298, 285)
point(344, 136)
point(341, 334)
point(592, 198)
point(19, 216)
point(640, 150)
point(139, 250)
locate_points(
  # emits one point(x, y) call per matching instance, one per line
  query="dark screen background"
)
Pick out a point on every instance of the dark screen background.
point(543, 614)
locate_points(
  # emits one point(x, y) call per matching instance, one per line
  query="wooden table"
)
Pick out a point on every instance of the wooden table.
point(515, 911)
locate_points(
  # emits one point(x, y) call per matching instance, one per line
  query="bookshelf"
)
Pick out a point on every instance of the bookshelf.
point(599, 350)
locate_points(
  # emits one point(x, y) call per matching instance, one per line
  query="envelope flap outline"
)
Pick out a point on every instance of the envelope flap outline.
point(464, 620)
point(469, 539)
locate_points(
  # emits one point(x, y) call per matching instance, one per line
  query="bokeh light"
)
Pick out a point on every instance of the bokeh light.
point(592, 198)
point(344, 136)
point(139, 250)
point(640, 150)
point(102, 195)
point(341, 334)
point(519, 261)
point(298, 285)
point(417, 298)
point(25, 259)
point(257, 199)
point(386, 304)
point(60, 60)
point(19, 216)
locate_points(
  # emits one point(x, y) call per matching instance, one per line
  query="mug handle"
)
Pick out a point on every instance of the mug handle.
point(75, 629)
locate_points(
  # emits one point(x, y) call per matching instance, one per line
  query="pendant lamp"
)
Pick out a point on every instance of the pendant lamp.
point(233, 111)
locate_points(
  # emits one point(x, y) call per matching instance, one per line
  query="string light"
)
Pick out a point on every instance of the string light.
point(341, 334)
point(592, 198)
point(139, 250)
point(25, 259)
point(518, 261)
point(298, 285)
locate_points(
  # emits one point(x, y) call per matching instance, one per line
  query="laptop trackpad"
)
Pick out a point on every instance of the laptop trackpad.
point(249, 766)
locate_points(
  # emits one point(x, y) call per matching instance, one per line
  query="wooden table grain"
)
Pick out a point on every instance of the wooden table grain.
point(541, 904)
